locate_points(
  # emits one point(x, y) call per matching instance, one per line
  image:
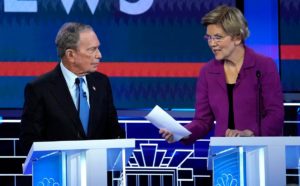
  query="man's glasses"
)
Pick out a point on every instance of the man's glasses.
point(216, 38)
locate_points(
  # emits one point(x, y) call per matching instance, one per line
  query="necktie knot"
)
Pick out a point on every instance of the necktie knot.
point(79, 81)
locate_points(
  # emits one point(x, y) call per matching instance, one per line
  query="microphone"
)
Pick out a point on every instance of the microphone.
point(84, 94)
point(258, 76)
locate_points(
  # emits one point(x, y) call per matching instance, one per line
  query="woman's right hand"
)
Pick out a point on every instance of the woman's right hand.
point(167, 135)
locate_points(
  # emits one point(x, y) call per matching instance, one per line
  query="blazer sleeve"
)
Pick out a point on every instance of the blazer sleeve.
point(203, 119)
point(31, 121)
point(272, 100)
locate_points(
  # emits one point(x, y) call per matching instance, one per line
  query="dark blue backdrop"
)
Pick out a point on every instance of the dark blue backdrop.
point(169, 31)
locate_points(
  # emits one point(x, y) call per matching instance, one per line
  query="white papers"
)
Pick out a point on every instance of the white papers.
point(162, 120)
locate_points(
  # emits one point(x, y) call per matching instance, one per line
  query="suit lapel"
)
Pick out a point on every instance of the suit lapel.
point(61, 92)
point(93, 91)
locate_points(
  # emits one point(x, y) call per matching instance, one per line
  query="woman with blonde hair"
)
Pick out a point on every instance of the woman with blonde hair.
point(240, 90)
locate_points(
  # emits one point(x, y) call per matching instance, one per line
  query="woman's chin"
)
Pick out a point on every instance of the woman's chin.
point(218, 57)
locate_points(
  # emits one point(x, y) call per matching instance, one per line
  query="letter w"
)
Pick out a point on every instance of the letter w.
point(69, 3)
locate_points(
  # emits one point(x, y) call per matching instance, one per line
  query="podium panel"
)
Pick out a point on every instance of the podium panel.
point(49, 170)
point(254, 160)
point(229, 167)
point(79, 163)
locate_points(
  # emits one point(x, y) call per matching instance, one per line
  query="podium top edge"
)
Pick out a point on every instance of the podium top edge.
point(83, 144)
point(39, 149)
point(255, 141)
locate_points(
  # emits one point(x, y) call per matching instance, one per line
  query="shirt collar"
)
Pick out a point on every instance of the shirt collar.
point(69, 76)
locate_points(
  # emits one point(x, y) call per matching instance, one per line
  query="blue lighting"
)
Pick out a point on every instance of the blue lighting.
point(262, 17)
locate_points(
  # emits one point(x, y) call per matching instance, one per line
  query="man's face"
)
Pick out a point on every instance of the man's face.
point(87, 55)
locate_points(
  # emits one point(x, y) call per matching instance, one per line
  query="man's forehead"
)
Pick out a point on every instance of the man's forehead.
point(88, 37)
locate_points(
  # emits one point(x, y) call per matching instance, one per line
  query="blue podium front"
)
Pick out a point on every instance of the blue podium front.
point(81, 163)
point(229, 167)
point(49, 170)
point(251, 161)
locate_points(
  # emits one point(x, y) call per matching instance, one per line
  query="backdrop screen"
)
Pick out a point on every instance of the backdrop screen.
point(152, 49)
point(290, 45)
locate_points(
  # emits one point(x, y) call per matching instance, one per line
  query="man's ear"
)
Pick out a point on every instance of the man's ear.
point(70, 55)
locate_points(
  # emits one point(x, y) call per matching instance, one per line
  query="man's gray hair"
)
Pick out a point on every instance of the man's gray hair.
point(68, 36)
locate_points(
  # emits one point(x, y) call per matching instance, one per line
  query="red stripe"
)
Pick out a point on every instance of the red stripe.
point(290, 52)
point(112, 69)
point(117, 69)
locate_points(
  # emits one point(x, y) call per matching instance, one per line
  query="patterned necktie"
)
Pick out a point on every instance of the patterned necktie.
point(83, 108)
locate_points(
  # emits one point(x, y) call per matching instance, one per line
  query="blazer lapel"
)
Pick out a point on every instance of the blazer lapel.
point(62, 94)
point(217, 72)
point(248, 64)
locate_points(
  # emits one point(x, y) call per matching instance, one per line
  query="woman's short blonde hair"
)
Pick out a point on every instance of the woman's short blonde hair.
point(230, 19)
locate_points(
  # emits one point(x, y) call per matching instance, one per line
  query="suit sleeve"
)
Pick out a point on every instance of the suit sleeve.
point(272, 99)
point(31, 121)
point(116, 130)
point(203, 119)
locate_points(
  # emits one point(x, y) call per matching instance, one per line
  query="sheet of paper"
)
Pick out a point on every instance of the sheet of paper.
point(161, 119)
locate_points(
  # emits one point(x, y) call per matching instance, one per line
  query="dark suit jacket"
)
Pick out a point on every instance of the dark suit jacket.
point(49, 113)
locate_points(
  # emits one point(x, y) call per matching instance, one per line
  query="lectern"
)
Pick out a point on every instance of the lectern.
point(252, 160)
point(78, 163)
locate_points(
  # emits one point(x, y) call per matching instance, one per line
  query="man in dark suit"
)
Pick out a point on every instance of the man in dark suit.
point(51, 108)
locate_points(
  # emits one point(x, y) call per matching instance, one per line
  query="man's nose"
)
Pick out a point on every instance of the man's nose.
point(98, 54)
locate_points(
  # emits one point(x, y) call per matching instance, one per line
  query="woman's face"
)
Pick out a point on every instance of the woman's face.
point(221, 44)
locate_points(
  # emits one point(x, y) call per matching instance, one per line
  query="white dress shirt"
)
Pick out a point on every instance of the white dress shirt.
point(70, 80)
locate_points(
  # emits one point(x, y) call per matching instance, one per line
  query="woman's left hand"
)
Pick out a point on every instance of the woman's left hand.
point(238, 133)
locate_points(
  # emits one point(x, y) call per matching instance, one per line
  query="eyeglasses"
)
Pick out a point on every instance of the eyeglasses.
point(216, 38)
